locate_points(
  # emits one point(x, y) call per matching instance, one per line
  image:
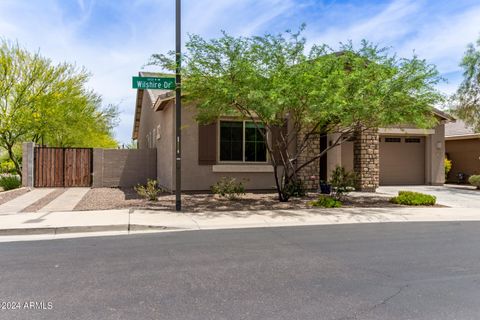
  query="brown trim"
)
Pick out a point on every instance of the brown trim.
point(207, 144)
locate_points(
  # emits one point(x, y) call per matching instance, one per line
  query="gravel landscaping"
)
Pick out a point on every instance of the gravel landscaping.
point(6, 196)
point(111, 198)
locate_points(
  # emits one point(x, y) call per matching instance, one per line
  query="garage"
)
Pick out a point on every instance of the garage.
point(402, 160)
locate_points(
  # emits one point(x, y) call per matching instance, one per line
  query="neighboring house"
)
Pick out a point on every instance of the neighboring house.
point(462, 146)
point(229, 147)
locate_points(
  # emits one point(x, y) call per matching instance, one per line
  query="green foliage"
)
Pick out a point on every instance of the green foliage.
point(7, 166)
point(10, 181)
point(448, 166)
point(228, 187)
point(410, 198)
point(467, 98)
point(342, 182)
point(326, 202)
point(269, 78)
point(294, 188)
point(150, 191)
point(475, 181)
point(48, 104)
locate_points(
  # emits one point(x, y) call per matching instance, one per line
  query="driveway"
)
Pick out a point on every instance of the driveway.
point(454, 196)
point(45, 200)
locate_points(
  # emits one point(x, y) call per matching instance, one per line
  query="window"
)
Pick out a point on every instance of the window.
point(393, 140)
point(412, 140)
point(242, 141)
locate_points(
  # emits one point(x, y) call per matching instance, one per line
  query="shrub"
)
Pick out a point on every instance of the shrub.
point(229, 188)
point(295, 188)
point(410, 198)
point(326, 202)
point(342, 182)
point(475, 181)
point(448, 166)
point(7, 166)
point(10, 181)
point(150, 191)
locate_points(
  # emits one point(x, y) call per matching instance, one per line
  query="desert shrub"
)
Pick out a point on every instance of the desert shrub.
point(475, 181)
point(7, 166)
point(10, 181)
point(342, 182)
point(295, 188)
point(410, 198)
point(326, 202)
point(448, 166)
point(150, 191)
point(228, 187)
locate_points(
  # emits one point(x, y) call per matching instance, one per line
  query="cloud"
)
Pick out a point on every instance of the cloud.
point(114, 39)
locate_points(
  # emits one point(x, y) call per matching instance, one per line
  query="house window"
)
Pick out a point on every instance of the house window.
point(393, 140)
point(412, 140)
point(242, 141)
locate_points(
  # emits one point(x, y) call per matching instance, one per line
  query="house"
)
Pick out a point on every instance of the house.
point(462, 147)
point(229, 147)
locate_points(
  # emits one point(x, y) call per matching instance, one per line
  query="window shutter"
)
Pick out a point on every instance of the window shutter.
point(277, 140)
point(207, 144)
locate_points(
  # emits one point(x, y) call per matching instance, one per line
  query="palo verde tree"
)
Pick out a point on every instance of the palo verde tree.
point(48, 104)
point(272, 78)
point(467, 99)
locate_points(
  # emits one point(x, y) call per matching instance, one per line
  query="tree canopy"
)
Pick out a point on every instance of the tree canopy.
point(49, 104)
point(270, 78)
point(467, 98)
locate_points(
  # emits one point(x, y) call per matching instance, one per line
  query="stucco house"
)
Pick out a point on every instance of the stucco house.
point(228, 147)
point(462, 146)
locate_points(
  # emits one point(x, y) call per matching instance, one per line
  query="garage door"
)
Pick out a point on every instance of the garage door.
point(402, 160)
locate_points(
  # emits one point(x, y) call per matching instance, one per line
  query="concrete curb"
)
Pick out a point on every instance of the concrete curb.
point(80, 229)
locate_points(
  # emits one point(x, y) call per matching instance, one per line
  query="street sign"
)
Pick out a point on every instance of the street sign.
point(153, 83)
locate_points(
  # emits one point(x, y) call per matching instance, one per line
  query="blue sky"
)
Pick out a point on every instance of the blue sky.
point(114, 39)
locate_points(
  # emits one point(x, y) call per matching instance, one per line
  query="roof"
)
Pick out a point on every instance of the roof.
point(459, 130)
point(154, 95)
point(160, 99)
point(443, 115)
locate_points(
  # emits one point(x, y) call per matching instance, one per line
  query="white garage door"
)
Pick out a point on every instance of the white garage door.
point(402, 160)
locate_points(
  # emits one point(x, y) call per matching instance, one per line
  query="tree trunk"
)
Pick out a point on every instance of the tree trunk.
point(14, 159)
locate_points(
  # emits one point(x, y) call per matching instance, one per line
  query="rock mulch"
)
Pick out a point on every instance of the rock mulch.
point(6, 196)
point(112, 198)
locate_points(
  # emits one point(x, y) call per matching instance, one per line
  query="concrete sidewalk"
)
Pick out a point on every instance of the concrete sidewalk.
point(56, 224)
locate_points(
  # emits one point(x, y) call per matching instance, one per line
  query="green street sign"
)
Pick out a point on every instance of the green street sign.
point(153, 83)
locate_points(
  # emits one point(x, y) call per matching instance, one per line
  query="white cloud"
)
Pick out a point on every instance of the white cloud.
point(114, 40)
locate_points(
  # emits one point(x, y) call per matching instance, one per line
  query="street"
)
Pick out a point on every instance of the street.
point(362, 271)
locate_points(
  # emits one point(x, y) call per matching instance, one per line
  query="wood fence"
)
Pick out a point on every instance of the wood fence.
point(62, 167)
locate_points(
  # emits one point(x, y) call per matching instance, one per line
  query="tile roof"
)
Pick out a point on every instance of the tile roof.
point(458, 128)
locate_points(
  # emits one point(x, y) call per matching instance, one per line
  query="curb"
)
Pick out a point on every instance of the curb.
point(80, 229)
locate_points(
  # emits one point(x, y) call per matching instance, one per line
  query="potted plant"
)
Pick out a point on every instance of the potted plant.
point(325, 188)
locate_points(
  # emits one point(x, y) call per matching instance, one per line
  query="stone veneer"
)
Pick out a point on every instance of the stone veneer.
point(310, 174)
point(366, 160)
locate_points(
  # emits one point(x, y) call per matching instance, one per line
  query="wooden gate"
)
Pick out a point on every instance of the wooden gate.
point(63, 167)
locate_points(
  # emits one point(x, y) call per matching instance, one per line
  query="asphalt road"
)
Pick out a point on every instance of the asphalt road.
point(362, 271)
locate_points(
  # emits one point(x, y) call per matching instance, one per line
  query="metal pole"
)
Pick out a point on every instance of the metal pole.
point(178, 108)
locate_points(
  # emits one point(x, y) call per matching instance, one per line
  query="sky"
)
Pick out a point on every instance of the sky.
point(114, 39)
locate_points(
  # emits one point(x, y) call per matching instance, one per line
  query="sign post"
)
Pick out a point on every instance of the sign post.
point(153, 83)
point(178, 107)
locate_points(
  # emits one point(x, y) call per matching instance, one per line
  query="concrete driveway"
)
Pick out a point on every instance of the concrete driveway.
point(454, 196)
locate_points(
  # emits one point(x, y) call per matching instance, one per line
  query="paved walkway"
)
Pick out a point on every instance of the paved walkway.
point(66, 201)
point(16, 205)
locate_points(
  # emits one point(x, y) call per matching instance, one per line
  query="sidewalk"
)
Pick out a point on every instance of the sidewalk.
point(58, 224)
